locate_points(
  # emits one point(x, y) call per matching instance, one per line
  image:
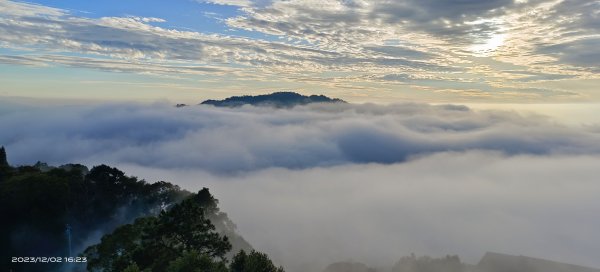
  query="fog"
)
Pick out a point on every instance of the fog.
point(226, 141)
point(451, 203)
point(324, 183)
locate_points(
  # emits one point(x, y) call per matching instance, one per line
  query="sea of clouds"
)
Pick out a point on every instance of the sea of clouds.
point(317, 184)
point(229, 141)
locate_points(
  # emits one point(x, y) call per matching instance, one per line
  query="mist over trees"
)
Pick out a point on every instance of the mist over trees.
point(38, 205)
point(140, 226)
point(410, 263)
point(172, 230)
point(429, 264)
point(40, 202)
point(179, 239)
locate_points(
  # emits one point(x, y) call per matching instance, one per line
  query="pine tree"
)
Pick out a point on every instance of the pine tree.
point(3, 160)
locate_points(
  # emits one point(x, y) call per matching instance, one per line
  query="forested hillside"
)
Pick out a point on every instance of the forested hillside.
point(59, 211)
point(277, 100)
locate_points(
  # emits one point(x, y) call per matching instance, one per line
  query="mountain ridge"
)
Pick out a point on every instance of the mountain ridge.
point(276, 99)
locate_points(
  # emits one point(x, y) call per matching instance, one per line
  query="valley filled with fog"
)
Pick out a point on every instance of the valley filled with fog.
point(323, 183)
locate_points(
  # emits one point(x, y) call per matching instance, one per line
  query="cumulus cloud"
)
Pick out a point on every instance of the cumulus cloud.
point(237, 140)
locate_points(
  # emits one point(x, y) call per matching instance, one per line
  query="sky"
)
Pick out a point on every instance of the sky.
point(483, 133)
point(455, 51)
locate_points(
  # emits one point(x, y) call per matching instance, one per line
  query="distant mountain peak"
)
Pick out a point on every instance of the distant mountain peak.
point(497, 262)
point(276, 99)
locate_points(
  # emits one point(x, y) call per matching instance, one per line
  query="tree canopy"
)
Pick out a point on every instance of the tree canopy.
point(179, 239)
point(38, 204)
point(144, 226)
point(450, 263)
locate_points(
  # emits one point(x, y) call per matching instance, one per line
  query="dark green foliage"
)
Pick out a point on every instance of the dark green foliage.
point(277, 99)
point(116, 250)
point(253, 262)
point(173, 230)
point(154, 242)
point(222, 222)
point(132, 268)
point(186, 227)
point(193, 261)
point(180, 239)
point(37, 202)
point(428, 264)
point(5, 169)
point(3, 159)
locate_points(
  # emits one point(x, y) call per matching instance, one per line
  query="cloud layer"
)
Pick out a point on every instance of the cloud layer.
point(238, 140)
point(324, 183)
point(450, 203)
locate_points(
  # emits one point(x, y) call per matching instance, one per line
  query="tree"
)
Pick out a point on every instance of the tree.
point(428, 264)
point(120, 249)
point(132, 268)
point(5, 169)
point(152, 243)
point(253, 262)
point(194, 261)
point(186, 227)
point(39, 202)
point(3, 159)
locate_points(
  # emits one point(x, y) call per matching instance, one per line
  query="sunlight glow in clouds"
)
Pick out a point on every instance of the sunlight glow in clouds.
point(491, 51)
point(328, 183)
point(489, 46)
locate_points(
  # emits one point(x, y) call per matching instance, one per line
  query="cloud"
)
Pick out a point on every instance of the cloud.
point(27, 9)
point(239, 140)
point(578, 52)
point(355, 42)
point(423, 25)
point(323, 183)
point(462, 203)
point(49, 31)
point(116, 65)
point(433, 39)
point(239, 3)
point(554, 36)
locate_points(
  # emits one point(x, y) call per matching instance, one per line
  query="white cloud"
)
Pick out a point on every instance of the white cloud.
point(27, 9)
point(135, 39)
point(239, 3)
point(323, 183)
point(362, 40)
point(448, 203)
point(247, 139)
